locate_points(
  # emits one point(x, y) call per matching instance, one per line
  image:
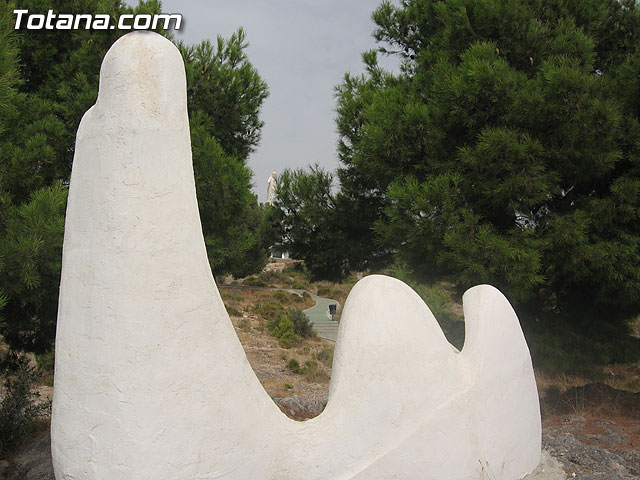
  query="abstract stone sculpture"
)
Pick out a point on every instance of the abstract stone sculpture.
point(151, 382)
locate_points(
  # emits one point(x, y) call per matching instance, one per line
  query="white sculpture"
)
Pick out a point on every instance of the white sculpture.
point(151, 382)
point(271, 188)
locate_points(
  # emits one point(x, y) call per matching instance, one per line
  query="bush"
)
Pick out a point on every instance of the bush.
point(299, 285)
point(270, 311)
point(283, 330)
point(311, 370)
point(254, 282)
point(281, 297)
point(294, 366)
point(301, 323)
point(295, 298)
point(276, 277)
point(232, 311)
point(325, 356)
point(323, 291)
point(20, 407)
point(314, 373)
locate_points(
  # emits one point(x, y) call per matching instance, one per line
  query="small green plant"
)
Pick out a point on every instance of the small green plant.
point(288, 386)
point(294, 366)
point(232, 311)
point(325, 356)
point(245, 325)
point(314, 373)
point(232, 297)
point(311, 370)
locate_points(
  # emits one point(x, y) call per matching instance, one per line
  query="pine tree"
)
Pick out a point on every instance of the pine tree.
point(506, 151)
point(225, 94)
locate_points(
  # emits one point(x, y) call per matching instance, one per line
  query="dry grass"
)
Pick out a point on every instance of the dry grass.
point(269, 360)
point(620, 377)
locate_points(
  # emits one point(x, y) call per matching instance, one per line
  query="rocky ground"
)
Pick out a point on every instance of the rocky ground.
point(594, 432)
point(590, 432)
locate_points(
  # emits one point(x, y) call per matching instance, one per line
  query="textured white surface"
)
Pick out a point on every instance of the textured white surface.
point(151, 382)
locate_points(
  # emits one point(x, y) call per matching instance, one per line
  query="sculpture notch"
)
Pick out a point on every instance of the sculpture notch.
point(152, 383)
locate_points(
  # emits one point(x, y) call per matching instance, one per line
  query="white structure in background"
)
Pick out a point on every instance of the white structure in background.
point(272, 185)
point(271, 188)
point(152, 383)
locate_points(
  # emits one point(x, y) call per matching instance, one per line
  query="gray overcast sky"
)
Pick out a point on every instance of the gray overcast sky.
point(302, 49)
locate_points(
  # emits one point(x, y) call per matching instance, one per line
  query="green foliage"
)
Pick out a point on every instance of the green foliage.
point(289, 326)
point(281, 297)
point(323, 291)
point(316, 227)
point(294, 366)
point(311, 370)
point(302, 326)
point(232, 311)
point(231, 218)
point(254, 282)
point(284, 331)
point(270, 311)
point(225, 94)
point(325, 356)
point(31, 251)
point(274, 277)
point(40, 109)
point(20, 405)
point(505, 152)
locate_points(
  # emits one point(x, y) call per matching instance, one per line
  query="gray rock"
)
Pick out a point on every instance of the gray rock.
point(34, 462)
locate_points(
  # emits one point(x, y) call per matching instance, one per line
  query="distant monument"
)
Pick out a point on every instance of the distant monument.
point(271, 188)
point(272, 185)
point(152, 383)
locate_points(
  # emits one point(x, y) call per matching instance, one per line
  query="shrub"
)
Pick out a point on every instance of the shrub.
point(276, 277)
point(245, 325)
point(325, 356)
point(270, 311)
point(254, 282)
point(20, 407)
point(299, 285)
point(295, 298)
point(314, 373)
point(232, 311)
point(301, 323)
point(283, 330)
point(281, 297)
point(294, 366)
point(323, 291)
